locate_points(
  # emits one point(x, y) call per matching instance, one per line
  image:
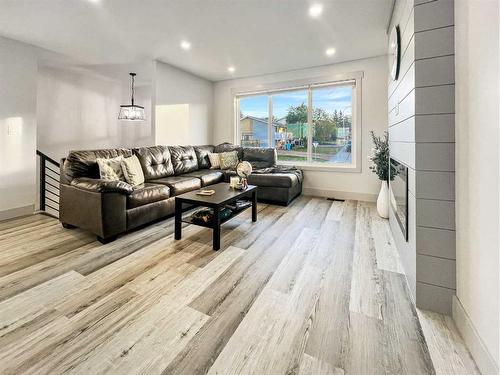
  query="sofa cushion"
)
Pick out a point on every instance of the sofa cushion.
point(202, 155)
point(155, 161)
point(179, 184)
point(184, 159)
point(207, 176)
point(226, 147)
point(84, 164)
point(273, 179)
point(145, 214)
point(101, 186)
point(260, 157)
point(147, 193)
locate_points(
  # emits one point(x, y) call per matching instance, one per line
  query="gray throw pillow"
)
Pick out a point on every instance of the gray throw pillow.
point(228, 160)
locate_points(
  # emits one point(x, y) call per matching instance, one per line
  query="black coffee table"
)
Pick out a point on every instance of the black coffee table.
point(223, 195)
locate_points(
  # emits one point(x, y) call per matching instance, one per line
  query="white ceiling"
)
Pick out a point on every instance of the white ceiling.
point(254, 36)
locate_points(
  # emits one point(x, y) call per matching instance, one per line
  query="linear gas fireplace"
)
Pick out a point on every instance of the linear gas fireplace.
point(399, 194)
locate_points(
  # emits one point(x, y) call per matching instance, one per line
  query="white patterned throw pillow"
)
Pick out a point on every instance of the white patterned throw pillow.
point(111, 169)
point(228, 160)
point(133, 171)
point(214, 160)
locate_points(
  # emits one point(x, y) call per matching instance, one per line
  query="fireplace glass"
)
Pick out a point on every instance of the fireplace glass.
point(399, 194)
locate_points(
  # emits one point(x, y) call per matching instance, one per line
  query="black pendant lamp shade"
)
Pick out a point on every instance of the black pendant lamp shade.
point(131, 112)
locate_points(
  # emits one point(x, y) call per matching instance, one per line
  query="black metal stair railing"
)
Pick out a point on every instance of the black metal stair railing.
point(49, 184)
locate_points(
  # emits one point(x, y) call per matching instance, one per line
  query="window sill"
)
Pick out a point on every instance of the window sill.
point(345, 168)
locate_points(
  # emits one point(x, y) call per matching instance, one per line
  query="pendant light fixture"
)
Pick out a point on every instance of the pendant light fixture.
point(131, 112)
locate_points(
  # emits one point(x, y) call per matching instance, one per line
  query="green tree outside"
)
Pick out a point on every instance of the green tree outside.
point(325, 125)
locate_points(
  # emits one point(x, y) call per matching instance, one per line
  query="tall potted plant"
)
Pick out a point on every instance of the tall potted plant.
point(380, 159)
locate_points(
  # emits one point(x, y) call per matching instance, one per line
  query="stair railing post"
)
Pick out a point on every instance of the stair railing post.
point(42, 183)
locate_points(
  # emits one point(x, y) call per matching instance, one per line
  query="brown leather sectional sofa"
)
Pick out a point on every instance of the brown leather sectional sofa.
point(108, 208)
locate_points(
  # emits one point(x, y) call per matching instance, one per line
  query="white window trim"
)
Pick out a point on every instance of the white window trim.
point(270, 88)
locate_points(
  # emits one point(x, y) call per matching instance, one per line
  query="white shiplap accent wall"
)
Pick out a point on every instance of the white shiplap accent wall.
point(421, 128)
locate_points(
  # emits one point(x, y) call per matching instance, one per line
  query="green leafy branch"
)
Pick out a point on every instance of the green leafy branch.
point(380, 157)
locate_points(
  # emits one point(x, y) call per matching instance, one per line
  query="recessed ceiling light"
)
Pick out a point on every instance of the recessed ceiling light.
point(330, 51)
point(315, 10)
point(231, 69)
point(185, 45)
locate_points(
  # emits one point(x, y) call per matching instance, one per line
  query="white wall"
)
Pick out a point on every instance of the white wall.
point(362, 185)
point(477, 178)
point(18, 71)
point(183, 107)
point(79, 110)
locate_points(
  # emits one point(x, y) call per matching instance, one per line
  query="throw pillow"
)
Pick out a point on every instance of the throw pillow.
point(111, 169)
point(132, 171)
point(228, 160)
point(226, 147)
point(214, 160)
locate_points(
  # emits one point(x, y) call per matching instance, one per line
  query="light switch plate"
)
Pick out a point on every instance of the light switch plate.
point(14, 125)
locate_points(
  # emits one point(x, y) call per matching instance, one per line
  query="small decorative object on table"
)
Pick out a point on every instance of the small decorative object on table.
point(244, 169)
point(234, 181)
point(206, 192)
point(380, 158)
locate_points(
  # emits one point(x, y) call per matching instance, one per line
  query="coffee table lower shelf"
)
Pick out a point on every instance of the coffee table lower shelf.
point(226, 197)
point(188, 219)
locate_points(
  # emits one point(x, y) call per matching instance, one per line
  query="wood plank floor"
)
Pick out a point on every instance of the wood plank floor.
point(313, 288)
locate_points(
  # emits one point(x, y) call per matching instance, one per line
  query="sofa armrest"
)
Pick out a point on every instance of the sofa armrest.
point(104, 214)
point(101, 186)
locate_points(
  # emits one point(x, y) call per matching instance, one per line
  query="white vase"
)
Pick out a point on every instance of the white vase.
point(383, 200)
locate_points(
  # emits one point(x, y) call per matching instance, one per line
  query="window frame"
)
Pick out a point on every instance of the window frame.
point(309, 84)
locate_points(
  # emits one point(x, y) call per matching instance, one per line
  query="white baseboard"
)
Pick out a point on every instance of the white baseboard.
point(483, 358)
point(365, 197)
point(16, 212)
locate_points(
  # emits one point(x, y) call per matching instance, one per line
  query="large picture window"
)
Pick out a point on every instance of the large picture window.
point(312, 124)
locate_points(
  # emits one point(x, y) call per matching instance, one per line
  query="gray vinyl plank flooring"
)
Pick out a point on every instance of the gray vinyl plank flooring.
point(313, 288)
